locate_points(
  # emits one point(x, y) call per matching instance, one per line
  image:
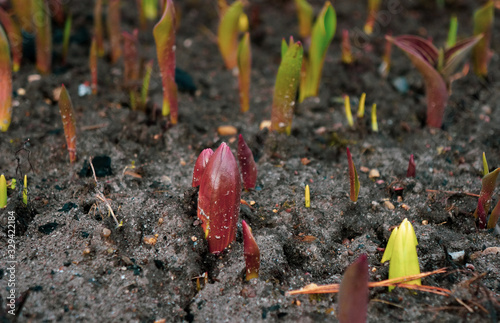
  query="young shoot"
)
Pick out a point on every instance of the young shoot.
point(353, 178)
point(5, 83)
point(3, 192)
point(483, 24)
point(68, 119)
point(227, 35)
point(251, 252)
point(374, 118)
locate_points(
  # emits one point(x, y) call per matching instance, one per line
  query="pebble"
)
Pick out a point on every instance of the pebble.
point(34, 77)
point(227, 130)
point(106, 232)
point(150, 240)
point(374, 173)
point(265, 124)
point(425, 222)
point(389, 205)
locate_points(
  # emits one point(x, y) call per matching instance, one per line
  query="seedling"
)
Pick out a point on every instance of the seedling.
point(353, 293)
point(244, 69)
point(15, 38)
point(495, 214)
point(353, 178)
point(307, 197)
point(25, 190)
point(93, 65)
point(374, 118)
point(483, 24)
point(481, 214)
point(305, 16)
point(348, 112)
point(114, 32)
point(23, 11)
point(401, 250)
point(200, 165)
point(43, 36)
point(385, 66)
point(98, 29)
point(487, 188)
point(150, 9)
point(68, 118)
point(145, 83)
point(247, 164)
point(437, 67)
point(5, 83)
point(346, 48)
point(452, 32)
point(66, 37)
point(411, 171)
point(227, 34)
point(3, 192)
point(361, 106)
point(285, 89)
point(251, 252)
point(164, 34)
point(321, 37)
point(131, 61)
point(373, 8)
point(219, 199)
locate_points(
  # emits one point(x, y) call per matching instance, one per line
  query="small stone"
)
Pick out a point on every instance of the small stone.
point(227, 130)
point(193, 238)
point(405, 206)
point(56, 93)
point(160, 221)
point(21, 91)
point(106, 232)
point(364, 169)
point(425, 222)
point(389, 205)
point(252, 203)
point(150, 240)
point(265, 124)
point(86, 251)
point(374, 173)
point(34, 77)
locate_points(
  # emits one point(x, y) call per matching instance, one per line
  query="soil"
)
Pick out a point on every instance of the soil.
point(77, 271)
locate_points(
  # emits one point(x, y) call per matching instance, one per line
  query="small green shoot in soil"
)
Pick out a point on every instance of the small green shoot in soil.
point(114, 33)
point(150, 9)
point(346, 57)
point(348, 112)
point(285, 89)
point(23, 10)
point(483, 24)
point(244, 70)
point(437, 67)
point(66, 37)
point(247, 164)
point(401, 250)
point(68, 118)
point(15, 38)
point(98, 29)
point(353, 178)
point(452, 32)
point(3, 192)
point(200, 165)
point(164, 34)
point(132, 65)
point(361, 106)
point(25, 190)
point(227, 34)
point(321, 37)
point(5, 82)
point(487, 188)
point(251, 252)
point(374, 118)
point(145, 84)
point(219, 199)
point(93, 65)
point(353, 293)
point(305, 17)
point(385, 66)
point(411, 171)
point(373, 8)
point(307, 197)
point(43, 37)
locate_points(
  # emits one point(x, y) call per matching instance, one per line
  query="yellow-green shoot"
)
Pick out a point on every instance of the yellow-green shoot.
point(98, 29)
point(145, 84)
point(348, 112)
point(401, 250)
point(244, 69)
point(321, 37)
point(307, 197)
point(227, 34)
point(164, 34)
point(452, 32)
point(43, 38)
point(361, 106)
point(285, 89)
point(483, 24)
point(495, 214)
point(5, 82)
point(488, 186)
point(3, 192)
point(15, 38)
point(150, 9)
point(69, 124)
point(305, 16)
point(25, 190)
point(93, 65)
point(66, 37)
point(114, 32)
point(353, 178)
point(374, 118)
point(373, 8)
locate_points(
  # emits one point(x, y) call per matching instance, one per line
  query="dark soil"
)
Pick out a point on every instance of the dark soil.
point(76, 274)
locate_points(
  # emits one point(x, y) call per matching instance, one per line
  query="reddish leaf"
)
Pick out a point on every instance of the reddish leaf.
point(5, 83)
point(353, 178)
point(219, 199)
point(15, 38)
point(68, 119)
point(487, 188)
point(411, 172)
point(353, 294)
point(131, 61)
point(93, 65)
point(200, 165)
point(113, 24)
point(481, 213)
point(495, 214)
point(247, 164)
point(455, 55)
point(251, 252)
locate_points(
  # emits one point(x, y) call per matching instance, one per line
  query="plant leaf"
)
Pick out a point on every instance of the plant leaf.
point(487, 188)
point(200, 165)
point(353, 178)
point(244, 69)
point(353, 293)
point(453, 56)
point(285, 89)
point(247, 164)
point(113, 26)
point(15, 38)
point(3, 192)
point(495, 214)
point(219, 199)
point(305, 16)
point(418, 47)
point(227, 35)
point(481, 214)
point(481, 53)
point(411, 171)
point(251, 252)
point(5, 82)
point(43, 38)
point(68, 119)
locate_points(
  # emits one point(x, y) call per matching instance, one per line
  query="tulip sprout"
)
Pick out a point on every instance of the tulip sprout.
point(25, 190)
point(244, 69)
point(114, 32)
point(5, 83)
point(487, 188)
point(374, 118)
point(348, 112)
point(68, 118)
point(43, 36)
point(483, 24)
point(305, 16)
point(411, 171)
point(227, 34)
point(353, 178)
point(251, 253)
point(353, 292)
point(3, 192)
point(15, 38)
point(307, 197)
point(247, 164)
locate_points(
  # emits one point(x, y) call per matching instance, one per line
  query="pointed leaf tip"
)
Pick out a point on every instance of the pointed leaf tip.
point(353, 293)
point(200, 165)
point(251, 252)
point(247, 164)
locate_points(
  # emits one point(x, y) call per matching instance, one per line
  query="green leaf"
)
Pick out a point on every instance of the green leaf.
point(305, 16)
point(483, 23)
point(453, 56)
point(3, 192)
point(227, 34)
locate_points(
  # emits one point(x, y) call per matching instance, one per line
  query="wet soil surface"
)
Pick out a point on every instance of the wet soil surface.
point(78, 266)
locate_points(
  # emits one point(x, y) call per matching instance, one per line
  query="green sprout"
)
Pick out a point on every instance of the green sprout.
point(321, 37)
point(348, 112)
point(353, 178)
point(374, 118)
point(452, 32)
point(25, 190)
point(227, 34)
point(483, 24)
point(401, 250)
point(361, 106)
point(305, 16)
point(488, 184)
point(66, 37)
point(3, 192)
